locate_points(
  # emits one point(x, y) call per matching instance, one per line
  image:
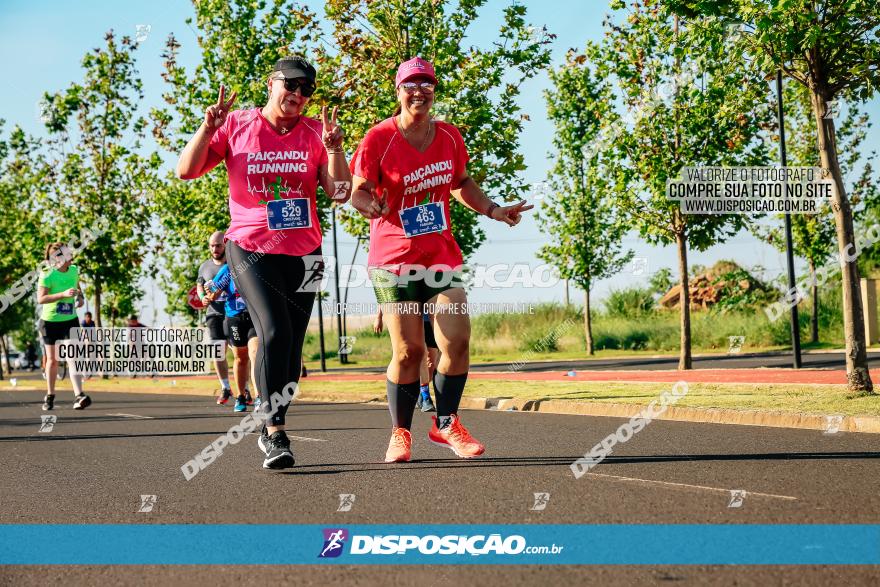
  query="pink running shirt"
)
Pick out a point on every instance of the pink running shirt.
point(264, 165)
point(387, 159)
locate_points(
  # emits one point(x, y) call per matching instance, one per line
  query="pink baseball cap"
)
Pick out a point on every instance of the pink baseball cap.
point(412, 68)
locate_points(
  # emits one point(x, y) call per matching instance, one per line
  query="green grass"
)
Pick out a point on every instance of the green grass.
point(554, 332)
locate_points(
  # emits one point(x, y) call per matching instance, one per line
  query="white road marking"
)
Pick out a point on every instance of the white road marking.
point(306, 439)
point(689, 486)
point(301, 438)
point(135, 416)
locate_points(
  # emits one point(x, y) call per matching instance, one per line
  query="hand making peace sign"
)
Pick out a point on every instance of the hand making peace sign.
point(332, 133)
point(216, 113)
point(511, 215)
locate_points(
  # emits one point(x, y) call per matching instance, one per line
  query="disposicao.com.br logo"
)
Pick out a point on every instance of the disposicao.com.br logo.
point(334, 542)
point(451, 544)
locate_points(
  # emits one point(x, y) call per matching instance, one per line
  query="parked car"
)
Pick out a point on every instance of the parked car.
point(15, 358)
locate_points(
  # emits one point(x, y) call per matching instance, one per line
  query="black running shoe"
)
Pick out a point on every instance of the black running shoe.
point(263, 440)
point(82, 402)
point(224, 396)
point(49, 403)
point(278, 455)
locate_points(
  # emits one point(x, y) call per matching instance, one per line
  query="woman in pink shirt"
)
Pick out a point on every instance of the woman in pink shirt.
point(404, 172)
point(275, 158)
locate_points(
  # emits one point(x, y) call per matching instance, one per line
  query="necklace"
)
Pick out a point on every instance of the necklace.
point(282, 130)
point(409, 136)
point(277, 126)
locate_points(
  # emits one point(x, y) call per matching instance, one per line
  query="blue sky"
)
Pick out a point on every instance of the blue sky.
point(44, 41)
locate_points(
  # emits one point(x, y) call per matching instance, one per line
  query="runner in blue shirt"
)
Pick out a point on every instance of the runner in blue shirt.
point(241, 334)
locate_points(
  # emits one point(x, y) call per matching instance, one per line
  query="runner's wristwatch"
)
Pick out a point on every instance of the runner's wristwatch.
point(491, 209)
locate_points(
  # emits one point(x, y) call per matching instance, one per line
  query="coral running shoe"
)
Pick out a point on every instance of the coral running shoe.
point(399, 448)
point(454, 436)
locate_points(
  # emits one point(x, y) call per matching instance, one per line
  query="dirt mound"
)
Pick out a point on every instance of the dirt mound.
point(723, 280)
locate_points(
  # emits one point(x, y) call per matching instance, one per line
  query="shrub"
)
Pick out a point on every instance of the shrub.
point(487, 324)
point(636, 340)
point(539, 340)
point(632, 302)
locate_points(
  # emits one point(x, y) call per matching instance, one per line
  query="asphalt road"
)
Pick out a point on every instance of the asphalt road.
point(821, 360)
point(95, 464)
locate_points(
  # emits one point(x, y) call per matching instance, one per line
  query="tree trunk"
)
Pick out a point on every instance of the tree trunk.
point(588, 322)
point(684, 359)
point(814, 314)
point(97, 316)
point(5, 339)
point(858, 377)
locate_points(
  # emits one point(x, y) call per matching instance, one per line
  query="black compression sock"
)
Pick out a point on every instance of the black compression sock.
point(448, 390)
point(402, 399)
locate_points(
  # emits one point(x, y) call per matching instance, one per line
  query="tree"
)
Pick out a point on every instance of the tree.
point(240, 41)
point(477, 91)
point(23, 174)
point(661, 281)
point(691, 103)
point(581, 217)
point(814, 235)
point(832, 48)
point(97, 171)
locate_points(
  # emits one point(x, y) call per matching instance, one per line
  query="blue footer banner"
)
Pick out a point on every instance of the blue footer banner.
point(526, 544)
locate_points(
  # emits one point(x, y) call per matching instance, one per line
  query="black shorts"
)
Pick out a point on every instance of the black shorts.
point(430, 341)
point(241, 329)
point(52, 332)
point(216, 327)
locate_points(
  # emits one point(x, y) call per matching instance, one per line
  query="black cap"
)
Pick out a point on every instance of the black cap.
point(293, 67)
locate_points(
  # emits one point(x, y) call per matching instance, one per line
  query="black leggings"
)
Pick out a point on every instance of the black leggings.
point(280, 306)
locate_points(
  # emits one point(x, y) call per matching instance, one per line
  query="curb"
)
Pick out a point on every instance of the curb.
point(864, 424)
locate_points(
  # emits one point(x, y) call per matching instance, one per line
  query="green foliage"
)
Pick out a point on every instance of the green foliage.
point(98, 172)
point(23, 176)
point(661, 281)
point(538, 340)
point(690, 101)
point(631, 302)
point(478, 88)
point(585, 225)
point(25, 330)
point(814, 235)
point(487, 325)
point(659, 332)
point(545, 319)
point(684, 99)
point(809, 40)
point(738, 290)
point(832, 49)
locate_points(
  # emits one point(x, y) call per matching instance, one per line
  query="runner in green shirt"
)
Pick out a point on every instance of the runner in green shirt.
point(59, 293)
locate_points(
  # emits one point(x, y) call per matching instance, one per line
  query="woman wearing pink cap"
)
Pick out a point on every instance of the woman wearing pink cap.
point(404, 172)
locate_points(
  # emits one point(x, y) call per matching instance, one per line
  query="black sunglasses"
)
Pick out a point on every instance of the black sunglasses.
point(306, 86)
